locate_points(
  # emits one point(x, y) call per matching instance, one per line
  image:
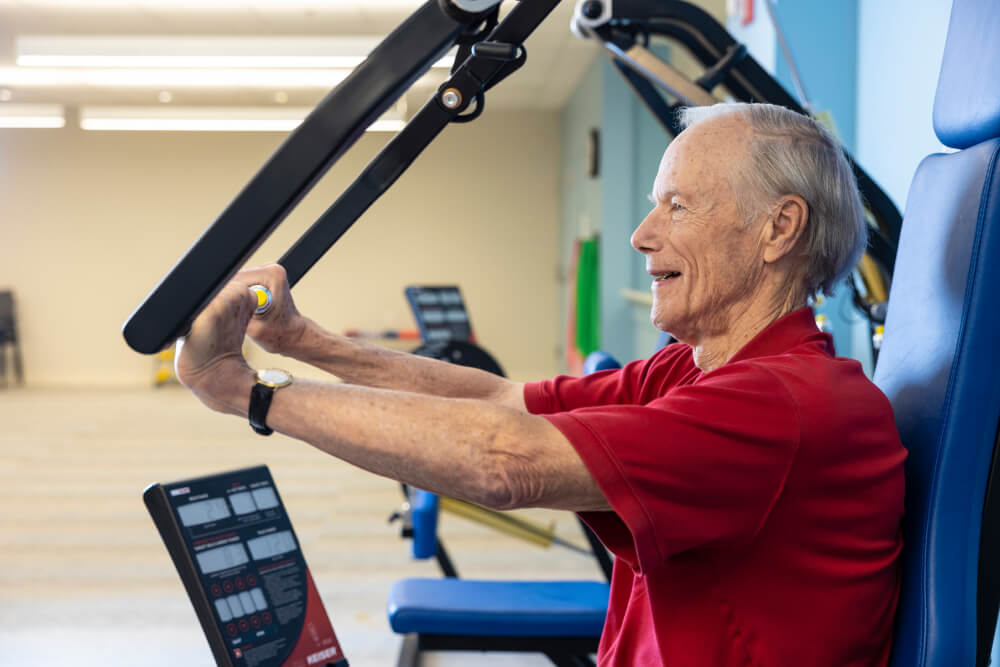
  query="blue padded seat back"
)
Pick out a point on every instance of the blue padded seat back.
point(967, 104)
point(939, 366)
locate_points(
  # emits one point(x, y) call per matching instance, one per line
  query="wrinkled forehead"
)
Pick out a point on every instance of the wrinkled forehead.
point(704, 155)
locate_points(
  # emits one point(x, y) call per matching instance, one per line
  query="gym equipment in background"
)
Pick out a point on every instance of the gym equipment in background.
point(9, 338)
point(445, 328)
point(237, 554)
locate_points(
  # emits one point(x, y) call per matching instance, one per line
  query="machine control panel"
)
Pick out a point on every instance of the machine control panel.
point(239, 559)
point(440, 313)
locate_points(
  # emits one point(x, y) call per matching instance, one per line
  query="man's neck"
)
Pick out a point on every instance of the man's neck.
point(713, 350)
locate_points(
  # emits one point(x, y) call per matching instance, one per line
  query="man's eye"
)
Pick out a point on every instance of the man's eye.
point(676, 206)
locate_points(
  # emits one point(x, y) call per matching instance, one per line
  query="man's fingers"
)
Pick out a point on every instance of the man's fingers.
point(271, 276)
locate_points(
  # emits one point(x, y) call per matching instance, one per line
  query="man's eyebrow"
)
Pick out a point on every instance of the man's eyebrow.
point(655, 198)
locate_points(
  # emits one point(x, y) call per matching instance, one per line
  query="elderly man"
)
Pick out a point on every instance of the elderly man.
point(748, 481)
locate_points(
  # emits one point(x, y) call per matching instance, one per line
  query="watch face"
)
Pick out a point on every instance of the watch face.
point(274, 377)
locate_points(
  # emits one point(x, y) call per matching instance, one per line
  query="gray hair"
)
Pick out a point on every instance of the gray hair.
point(793, 154)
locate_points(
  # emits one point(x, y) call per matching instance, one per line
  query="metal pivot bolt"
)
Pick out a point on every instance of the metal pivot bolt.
point(592, 9)
point(451, 98)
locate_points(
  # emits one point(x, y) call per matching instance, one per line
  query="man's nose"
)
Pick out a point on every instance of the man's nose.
point(643, 238)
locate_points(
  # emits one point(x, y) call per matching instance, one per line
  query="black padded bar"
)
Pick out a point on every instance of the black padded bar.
point(336, 123)
point(474, 75)
point(381, 173)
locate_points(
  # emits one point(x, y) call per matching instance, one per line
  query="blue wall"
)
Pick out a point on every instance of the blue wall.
point(823, 40)
point(899, 55)
point(614, 203)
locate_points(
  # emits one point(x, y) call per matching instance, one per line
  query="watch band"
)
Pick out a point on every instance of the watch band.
point(260, 401)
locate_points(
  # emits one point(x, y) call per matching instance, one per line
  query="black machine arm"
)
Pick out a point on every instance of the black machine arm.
point(336, 123)
point(624, 28)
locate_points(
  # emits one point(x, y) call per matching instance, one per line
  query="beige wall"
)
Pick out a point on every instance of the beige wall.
point(90, 221)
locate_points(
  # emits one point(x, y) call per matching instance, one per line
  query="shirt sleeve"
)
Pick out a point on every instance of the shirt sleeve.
point(611, 387)
point(702, 466)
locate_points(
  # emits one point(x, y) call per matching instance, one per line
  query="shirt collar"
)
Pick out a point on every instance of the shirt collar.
point(796, 328)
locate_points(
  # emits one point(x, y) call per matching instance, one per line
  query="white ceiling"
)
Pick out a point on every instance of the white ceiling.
point(556, 59)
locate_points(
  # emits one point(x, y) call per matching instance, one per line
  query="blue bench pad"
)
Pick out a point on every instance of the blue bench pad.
point(498, 608)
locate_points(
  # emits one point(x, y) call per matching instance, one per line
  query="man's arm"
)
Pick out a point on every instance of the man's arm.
point(285, 331)
point(367, 365)
point(474, 449)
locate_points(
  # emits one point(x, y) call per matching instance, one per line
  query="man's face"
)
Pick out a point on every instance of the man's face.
point(703, 259)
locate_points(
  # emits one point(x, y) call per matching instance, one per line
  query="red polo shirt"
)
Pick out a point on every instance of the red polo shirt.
point(756, 507)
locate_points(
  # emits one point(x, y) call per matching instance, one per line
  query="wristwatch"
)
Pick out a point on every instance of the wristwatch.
point(268, 381)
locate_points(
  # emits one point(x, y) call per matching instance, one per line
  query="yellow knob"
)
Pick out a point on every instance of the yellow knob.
point(263, 298)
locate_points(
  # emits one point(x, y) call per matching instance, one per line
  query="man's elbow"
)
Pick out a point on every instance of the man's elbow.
point(507, 484)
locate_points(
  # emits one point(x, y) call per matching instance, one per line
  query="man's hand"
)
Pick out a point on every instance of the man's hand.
point(209, 360)
point(280, 328)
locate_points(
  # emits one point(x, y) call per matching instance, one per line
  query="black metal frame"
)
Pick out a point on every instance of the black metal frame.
point(336, 123)
point(561, 651)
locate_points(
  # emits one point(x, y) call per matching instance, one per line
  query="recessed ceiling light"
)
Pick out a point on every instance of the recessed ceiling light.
point(6, 95)
point(214, 51)
point(165, 96)
point(171, 78)
point(210, 119)
point(281, 97)
point(214, 5)
point(31, 116)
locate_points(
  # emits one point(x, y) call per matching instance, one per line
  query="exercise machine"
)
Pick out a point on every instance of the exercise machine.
point(236, 552)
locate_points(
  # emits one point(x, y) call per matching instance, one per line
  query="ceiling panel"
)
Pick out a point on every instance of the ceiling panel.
point(556, 59)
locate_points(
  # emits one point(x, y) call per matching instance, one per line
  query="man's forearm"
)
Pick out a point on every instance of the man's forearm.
point(372, 366)
point(484, 453)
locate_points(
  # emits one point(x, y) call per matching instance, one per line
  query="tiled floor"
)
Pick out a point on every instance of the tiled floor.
point(85, 579)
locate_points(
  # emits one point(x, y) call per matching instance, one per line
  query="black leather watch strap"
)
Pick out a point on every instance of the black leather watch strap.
point(260, 401)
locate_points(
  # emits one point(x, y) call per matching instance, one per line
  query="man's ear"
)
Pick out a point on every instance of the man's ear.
point(784, 227)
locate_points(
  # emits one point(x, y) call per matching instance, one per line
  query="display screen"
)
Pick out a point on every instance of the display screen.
point(265, 498)
point(271, 545)
point(222, 558)
point(440, 313)
point(203, 511)
point(242, 502)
